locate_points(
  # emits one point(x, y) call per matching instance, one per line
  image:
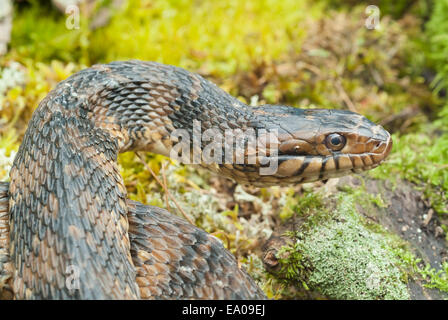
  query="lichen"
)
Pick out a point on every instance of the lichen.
point(336, 254)
point(350, 261)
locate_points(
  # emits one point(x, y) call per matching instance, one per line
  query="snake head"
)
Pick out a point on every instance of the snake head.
point(317, 144)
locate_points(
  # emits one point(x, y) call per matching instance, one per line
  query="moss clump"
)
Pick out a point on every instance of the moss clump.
point(422, 159)
point(340, 257)
point(437, 279)
point(432, 278)
point(300, 204)
point(437, 34)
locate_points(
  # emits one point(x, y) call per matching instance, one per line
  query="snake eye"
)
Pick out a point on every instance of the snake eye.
point(335, 141)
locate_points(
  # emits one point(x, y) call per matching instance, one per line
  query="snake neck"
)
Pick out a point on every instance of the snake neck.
point(145, 104)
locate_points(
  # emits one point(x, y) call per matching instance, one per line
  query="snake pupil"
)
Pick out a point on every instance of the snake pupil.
point(335, 141)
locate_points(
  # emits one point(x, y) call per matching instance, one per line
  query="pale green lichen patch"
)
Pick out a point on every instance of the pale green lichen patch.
point(340, 257)
point(350, 261)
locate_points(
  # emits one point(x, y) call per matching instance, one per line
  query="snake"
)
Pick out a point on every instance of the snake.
point(67, 227)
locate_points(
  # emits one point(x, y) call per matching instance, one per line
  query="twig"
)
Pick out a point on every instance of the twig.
point(309, 67)
point(404, 114)
point(166, 185)
point(167, 192)
point(428, 217)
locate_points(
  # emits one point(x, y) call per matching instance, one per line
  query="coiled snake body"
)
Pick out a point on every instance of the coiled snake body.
point(67, 201)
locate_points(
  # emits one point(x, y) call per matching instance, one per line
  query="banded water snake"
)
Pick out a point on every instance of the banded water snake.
point(68, 206)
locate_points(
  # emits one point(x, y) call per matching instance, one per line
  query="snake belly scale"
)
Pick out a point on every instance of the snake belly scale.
point(66, 205)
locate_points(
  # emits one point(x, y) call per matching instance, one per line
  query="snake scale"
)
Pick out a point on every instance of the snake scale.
point(66, 205)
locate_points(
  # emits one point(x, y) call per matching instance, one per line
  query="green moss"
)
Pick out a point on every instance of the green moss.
point(338, 254)
point(178, 32)
point(300, 204)
point(420, 158)
point(40, 34)
point(437, 51)
point(190, 35)
point(436, 279)
point(8, 147)
point(421, 271)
